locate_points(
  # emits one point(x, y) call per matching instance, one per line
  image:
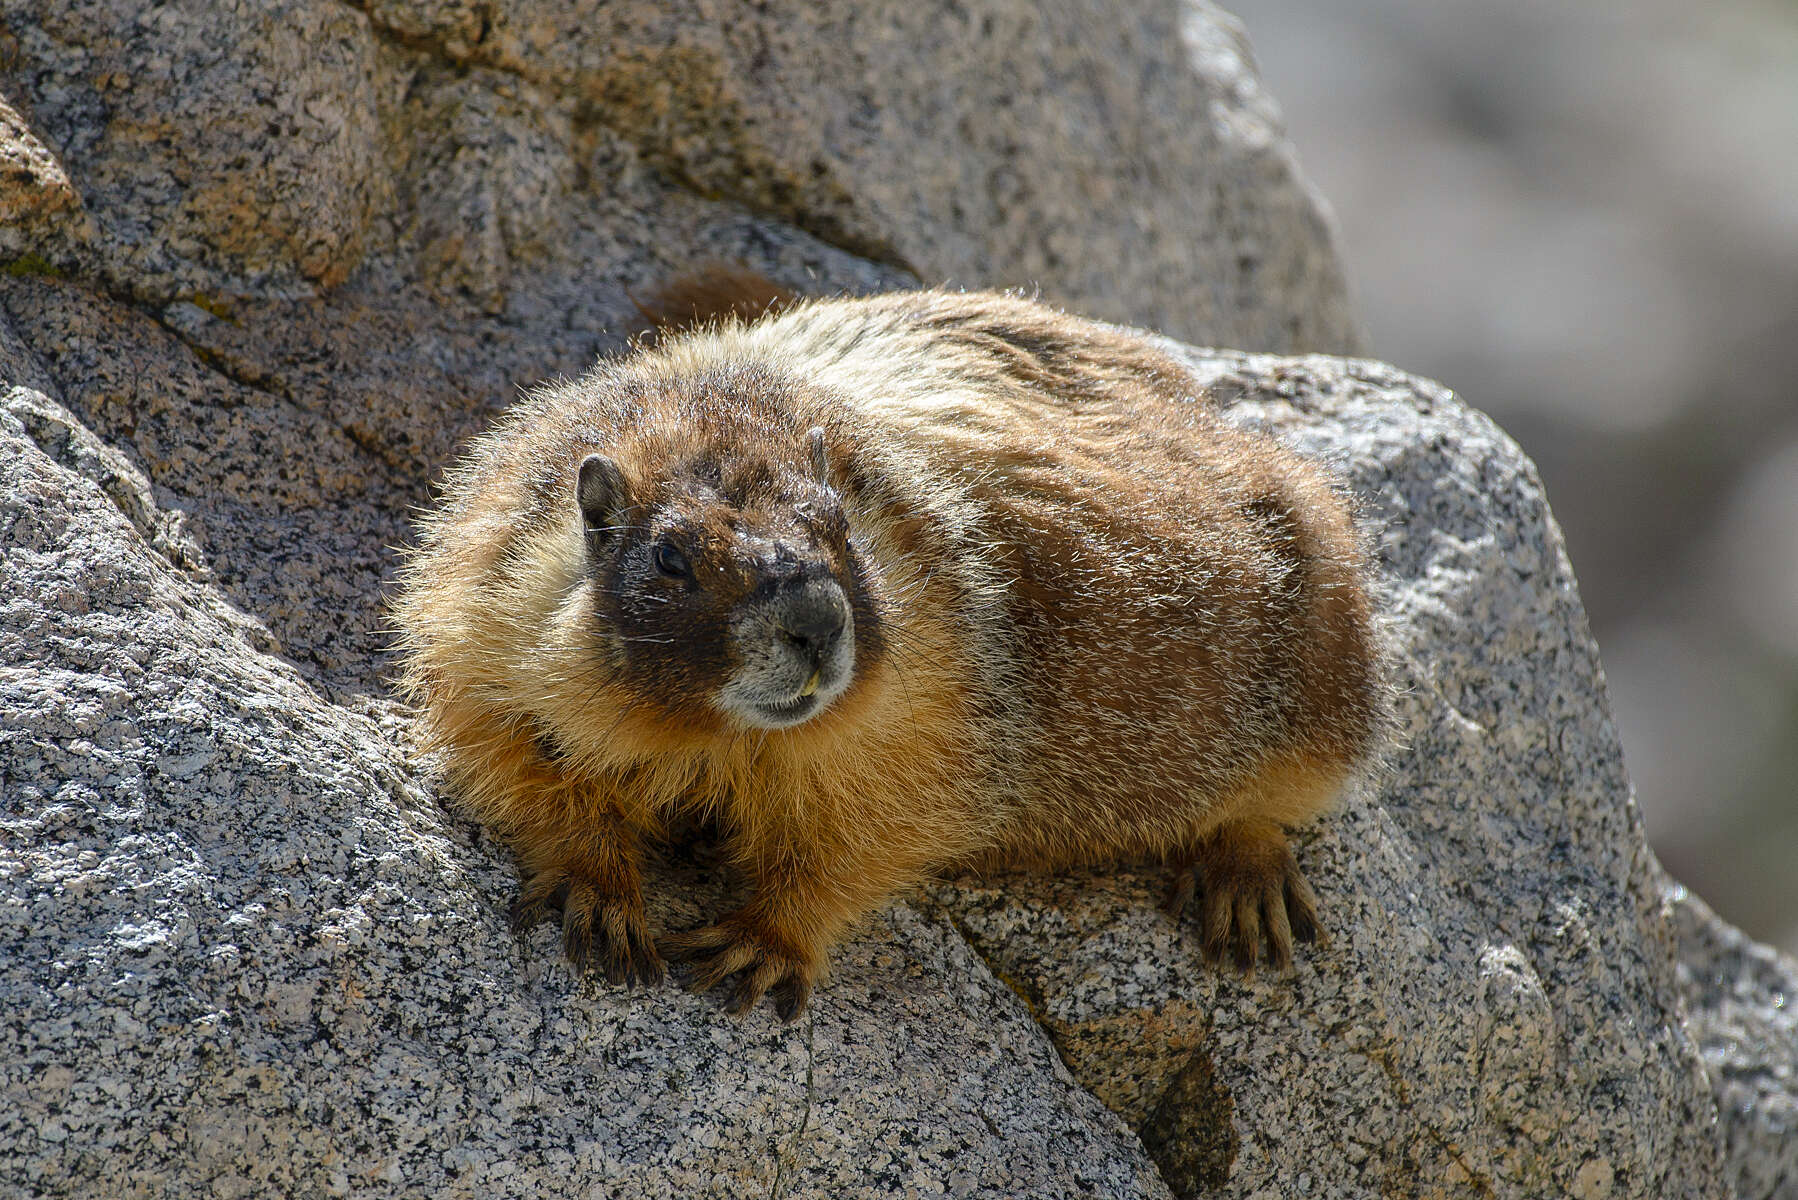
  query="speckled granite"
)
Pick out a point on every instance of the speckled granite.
point(1742, 1007)
point(537, 154)
point(266, 263)
point(1496, 1011)
point(244, 953)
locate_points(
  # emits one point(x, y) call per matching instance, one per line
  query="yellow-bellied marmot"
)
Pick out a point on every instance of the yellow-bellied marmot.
point(883, 586)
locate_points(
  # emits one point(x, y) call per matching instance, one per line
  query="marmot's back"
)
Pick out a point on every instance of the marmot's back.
point(1186, 596)
point(987, 583)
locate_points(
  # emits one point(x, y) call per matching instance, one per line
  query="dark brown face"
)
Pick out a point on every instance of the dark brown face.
point(731, 584)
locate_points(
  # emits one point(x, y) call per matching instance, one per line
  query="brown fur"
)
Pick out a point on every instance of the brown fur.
point(710, 294)
point(1092, 620)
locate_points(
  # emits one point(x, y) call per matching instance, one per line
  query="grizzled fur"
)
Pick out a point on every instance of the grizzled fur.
point(886, 586)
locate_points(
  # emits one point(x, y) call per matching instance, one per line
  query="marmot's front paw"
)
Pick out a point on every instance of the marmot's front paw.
point(741, 944)
point(1248, 888)
point(601, 930)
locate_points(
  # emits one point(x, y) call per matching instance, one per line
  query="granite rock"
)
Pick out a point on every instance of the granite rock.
point(246, 952)
point(1495, 1013)
point(1742, 1009)
point(236, 152)
point(246, 948)
point(267, 264)
point(38, 204)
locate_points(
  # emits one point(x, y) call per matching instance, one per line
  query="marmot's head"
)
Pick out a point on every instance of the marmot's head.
point(724, 574)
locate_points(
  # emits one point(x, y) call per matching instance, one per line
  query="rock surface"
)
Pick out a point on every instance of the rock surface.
point(1742, 1007)
point(247, 954)
point(247, 950)
point(267, 263)
point(491, 149)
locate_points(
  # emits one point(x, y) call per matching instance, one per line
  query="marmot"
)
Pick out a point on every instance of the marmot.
point(885, 586)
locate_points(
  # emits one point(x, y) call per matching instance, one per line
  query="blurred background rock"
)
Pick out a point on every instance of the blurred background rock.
point(1584, 218)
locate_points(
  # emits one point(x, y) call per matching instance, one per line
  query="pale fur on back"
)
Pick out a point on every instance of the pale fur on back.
point(963, 421)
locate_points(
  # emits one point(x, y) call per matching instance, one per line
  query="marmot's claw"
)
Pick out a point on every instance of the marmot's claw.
point(544, 893)
point(1249, 892)
point(630, 952)
point(600, 931)
point(732, 947)
point(790, 997)
point(1180, 893)
point(1301, 910)
point(608, 933)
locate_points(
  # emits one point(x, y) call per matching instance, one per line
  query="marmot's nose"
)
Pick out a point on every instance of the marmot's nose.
point(813, 621)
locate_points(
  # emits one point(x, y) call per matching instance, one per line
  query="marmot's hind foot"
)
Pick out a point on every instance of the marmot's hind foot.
point(601, 930)
point(1248, 889)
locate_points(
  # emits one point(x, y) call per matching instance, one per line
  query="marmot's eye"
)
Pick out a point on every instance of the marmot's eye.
point(671, 562)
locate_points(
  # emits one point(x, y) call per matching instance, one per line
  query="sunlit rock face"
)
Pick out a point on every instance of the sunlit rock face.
point(267, 266)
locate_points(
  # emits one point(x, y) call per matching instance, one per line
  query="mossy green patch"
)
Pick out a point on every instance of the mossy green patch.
point(32, 264)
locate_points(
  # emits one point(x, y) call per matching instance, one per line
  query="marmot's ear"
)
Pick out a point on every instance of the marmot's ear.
point(814, 445)
point(599, 491)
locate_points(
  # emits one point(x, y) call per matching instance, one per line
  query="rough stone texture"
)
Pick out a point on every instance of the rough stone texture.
point(1496, 1013)
point(268, 263)
point(247, 950)
point(1742, 1007)
point(1124, 158)
point(213, 142)
point(833, 116)
point(245, 953)
point(37, 201)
